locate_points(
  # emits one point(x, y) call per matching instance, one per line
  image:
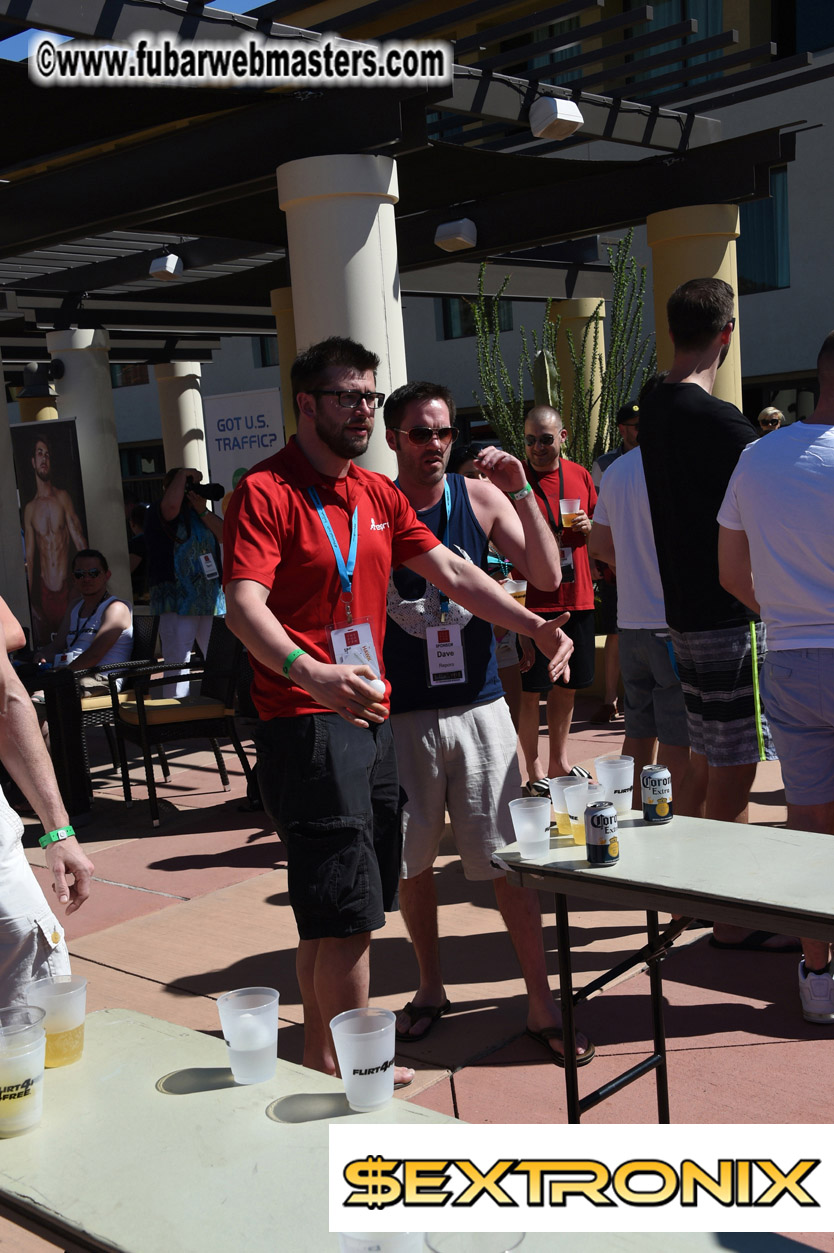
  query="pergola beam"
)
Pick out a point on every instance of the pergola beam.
point(504, 99)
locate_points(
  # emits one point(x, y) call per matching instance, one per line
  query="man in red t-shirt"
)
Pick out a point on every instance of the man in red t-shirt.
point(309, 540)
point(554, 478)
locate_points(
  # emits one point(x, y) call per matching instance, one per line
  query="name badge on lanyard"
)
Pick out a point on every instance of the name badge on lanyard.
point(445, 654)
point(351, 642)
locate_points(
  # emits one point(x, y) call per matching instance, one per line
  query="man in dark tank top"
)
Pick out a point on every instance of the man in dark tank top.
point(456, 745)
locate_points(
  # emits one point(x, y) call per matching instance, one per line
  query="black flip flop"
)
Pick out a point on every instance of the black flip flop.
point(415, 1013)
point(555, 1033)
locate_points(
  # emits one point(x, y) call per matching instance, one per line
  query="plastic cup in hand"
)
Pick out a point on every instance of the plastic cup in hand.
point(568, 509)
point(64, 999)
point(473, 1241)
point(22, 1048)
point(616, 774)
point(517, 589)
point(576, 798)
point(249, 1018)
point(364, 1043)
point(557, 796)
point(531, 823)
point(381, 1242)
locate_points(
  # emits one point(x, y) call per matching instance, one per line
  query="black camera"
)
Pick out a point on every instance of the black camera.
point(208, 491)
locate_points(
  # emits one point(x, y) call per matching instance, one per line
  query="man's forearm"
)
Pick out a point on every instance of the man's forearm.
point(469, 586)
point(542, 566)
point(25, 756)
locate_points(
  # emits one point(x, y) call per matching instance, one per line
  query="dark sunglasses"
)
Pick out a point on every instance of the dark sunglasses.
point(530, 440)
point(352, 400)
point(86, 574)
point(769, 422)
point(420, 435)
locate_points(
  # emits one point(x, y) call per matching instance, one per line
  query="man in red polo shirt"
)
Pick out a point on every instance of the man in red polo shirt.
point(310, 539)
point(554, 478)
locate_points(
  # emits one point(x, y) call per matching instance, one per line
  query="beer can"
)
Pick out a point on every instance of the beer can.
point(656, 790)
point(601, 837)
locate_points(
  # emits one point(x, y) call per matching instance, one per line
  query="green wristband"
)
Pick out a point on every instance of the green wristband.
point(52, 837)
point(521, 493)
point(291, 657)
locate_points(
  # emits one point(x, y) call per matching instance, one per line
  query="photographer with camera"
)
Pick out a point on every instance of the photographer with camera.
point(183, 540)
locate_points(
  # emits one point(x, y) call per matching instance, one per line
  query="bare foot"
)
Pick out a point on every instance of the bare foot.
point(403, 1076)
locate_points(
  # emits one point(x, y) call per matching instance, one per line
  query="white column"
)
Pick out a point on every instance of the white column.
point(282, 311)
point(343, 258)
point(85, 394)
point(12, 568)
point(181, 413)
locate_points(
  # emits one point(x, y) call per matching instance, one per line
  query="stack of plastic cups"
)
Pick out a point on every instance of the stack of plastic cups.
point(22, 1050)
point(531, 823)
point(616, 774)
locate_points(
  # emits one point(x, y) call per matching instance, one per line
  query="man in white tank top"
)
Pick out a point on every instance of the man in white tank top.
point(96, 630)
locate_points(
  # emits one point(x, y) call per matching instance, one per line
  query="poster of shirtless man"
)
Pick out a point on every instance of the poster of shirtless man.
point(54, 521)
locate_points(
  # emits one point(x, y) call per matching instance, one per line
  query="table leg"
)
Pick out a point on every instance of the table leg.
point(656, 985)
point(566, 997)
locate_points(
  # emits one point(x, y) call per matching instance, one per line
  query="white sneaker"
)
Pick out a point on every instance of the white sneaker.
point(816, 992)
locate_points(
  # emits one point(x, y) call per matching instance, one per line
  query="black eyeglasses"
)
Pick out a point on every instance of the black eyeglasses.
point(769, 422)
point(420, 435)
point(530, 440)
point(352, 400)
point(86, 574)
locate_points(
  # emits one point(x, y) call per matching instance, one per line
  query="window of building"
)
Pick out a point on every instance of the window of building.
point(457, 319)
point(143, 468)
point(551, 57)
point(264, 351)
point(709, 15)
point(764, 244)
point(814, 25)
point(132, 375)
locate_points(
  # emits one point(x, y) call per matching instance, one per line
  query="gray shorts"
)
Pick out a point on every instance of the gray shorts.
point(798, 691)
point(462, 759)
point(654, 704)
point(720, 686)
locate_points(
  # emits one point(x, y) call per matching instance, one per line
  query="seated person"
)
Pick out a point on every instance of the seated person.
point(96, 630)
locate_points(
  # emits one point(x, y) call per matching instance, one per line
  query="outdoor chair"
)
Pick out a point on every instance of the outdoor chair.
point(151, 721)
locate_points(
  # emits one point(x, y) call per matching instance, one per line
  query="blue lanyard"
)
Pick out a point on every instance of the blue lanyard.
point(345, 569)
point(444, 538)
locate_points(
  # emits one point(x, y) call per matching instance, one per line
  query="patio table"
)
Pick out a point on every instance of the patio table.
point(756, 877)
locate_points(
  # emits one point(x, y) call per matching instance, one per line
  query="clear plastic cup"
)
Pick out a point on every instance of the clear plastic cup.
point(568, 508)
point(531, 823)
point(64, 998)
point(364, 1043)
point(249, 1018)
point(381, 1242)
point(22, 1049)
point(616, 774)
point(557, 796)
point(576, 797)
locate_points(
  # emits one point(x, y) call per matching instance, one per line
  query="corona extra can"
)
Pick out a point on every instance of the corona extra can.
point(601, 834)
point(656, 789)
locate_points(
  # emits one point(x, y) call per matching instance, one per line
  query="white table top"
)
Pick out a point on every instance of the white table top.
point(148, 1144)
point(764, 877)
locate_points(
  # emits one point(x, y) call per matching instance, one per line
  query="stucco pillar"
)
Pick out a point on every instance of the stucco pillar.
point(12, 568)
point(181, 414)
point(282, 311)
point(343, 258)
point(695, 242)
point(574, 316)
point(85, 394)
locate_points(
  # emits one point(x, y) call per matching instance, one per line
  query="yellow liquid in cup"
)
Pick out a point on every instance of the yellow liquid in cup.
point(563, 823)
point(568, 519)
point(577, 830)
point(64, 1047)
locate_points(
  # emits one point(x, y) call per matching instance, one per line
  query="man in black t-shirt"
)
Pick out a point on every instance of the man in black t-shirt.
point(690, 444)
